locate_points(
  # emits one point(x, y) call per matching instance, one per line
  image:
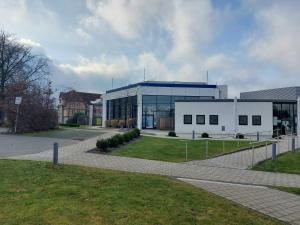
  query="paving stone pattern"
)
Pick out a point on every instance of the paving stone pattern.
point(227, 176)
point(277, 204)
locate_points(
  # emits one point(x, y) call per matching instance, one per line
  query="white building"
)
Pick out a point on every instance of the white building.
point(151, 104)
point(227, 116)
point(232, 116)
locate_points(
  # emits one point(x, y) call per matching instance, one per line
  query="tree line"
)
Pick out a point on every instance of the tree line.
point(27, 75)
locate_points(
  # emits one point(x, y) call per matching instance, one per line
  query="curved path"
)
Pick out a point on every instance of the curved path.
point(236, 181)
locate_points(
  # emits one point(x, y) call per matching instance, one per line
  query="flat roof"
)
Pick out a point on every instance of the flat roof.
point(165, 84)
point(239, 100)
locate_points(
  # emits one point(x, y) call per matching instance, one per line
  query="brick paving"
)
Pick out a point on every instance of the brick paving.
point(280, 205)
point(226, 176)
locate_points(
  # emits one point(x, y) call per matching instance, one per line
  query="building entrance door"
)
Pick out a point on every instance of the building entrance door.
point(149, 122)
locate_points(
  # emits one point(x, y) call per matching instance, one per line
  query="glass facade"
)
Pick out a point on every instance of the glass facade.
point(285, 117)
point(122, 109)
point(159, 110)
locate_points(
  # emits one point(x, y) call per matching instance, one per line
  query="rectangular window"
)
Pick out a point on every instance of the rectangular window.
point(200, 119)
point(243, 120)
point(187, 119)
point(256, 120)
point(213, 119)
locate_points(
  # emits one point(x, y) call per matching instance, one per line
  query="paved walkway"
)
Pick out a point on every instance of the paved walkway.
point(76, 155)
point(244, 159)
point(277, 204)
point(19, 145)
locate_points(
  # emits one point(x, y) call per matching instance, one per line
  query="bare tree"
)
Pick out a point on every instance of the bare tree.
point(18, 64)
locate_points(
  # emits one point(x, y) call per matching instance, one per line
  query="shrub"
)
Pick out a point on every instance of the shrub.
point(121, 123)
point(102, 145)
point(113, 142)
point(138, 132)
point(69, 125)
point(126, 137)
point(205, 135)
point(239, 136)
point(114, 123)
point(120, 138)
point(74, 119)
point(172, 134)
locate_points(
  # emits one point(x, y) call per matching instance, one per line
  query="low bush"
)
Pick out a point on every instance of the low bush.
point(205, 135)
point(172, 134)
point(126, 137)
point(121, 123)
point(69, 125)
point(117, 140)
point(113, 142)
point(114, 123)
point(138, 132)
point(102, 145)
point(239, 136)
point(120, 138)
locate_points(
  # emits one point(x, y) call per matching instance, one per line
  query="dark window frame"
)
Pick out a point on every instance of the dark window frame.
point(256, 124)
point(197, 119)
point(184, 119)
point(210, 120)
point(247, 120)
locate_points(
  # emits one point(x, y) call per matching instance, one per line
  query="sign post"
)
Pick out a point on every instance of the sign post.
point(18, 101)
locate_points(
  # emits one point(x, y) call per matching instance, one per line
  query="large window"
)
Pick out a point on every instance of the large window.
point(161, 108)
point(213, 119)
point(284, 117)
point(200, 119)
point(187, 119)
point(122, 109)
point(243, 120)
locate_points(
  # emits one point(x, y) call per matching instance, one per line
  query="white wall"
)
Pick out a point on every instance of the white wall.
point(226, 113)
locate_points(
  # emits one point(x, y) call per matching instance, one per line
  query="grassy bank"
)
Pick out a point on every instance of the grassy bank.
point(173, 150)
point(285, 163)
point(35, 193)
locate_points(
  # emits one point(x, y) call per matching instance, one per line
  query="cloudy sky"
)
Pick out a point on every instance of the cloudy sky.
point(247, 44)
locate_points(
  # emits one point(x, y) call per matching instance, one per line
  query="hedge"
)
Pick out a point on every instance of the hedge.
point(117, 140)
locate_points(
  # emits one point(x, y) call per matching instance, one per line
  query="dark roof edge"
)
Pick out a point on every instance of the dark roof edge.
point(270, 89)
point(240, 100)
point(163, 84)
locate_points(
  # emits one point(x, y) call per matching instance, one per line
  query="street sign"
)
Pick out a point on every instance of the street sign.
point(18, 100)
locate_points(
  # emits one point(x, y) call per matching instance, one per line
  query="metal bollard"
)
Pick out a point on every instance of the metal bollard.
point(273, 151)
point(186, 151)
point(193, 135)
point(206, 149)
point(223, 146)
point(293, 145)
point(252, 163)
point(55, 154)
point(266, 150)
point(257, 136)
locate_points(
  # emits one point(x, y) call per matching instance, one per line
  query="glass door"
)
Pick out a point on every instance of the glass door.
point(149, 123)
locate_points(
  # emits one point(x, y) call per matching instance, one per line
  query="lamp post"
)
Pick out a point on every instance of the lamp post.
point(18, 101)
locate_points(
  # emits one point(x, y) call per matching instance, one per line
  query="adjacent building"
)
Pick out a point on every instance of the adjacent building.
point(151, 104)
point(71, 102)
point(285, 113)
point(265, 111)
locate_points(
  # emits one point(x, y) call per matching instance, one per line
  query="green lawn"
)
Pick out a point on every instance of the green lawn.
point(292, 190)
point(35, 193)
point(173, 150)
point(285, 163)
point(67, 133)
